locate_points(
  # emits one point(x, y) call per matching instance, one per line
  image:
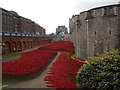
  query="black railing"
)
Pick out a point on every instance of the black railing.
point(3, 34)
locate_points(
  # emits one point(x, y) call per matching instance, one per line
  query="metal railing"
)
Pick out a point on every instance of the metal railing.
point(4, 34)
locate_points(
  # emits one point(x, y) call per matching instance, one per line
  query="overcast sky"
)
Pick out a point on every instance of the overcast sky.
point(52, 13)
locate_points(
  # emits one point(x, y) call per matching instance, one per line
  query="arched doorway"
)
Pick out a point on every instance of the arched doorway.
point(14, 46)
point(37, 43)
point(24, 45)
point(31, 44)
point(19, 46)
point(6, 48)
point(27, 44)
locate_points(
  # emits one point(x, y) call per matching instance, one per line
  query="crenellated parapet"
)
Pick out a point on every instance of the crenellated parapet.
point(96, 30)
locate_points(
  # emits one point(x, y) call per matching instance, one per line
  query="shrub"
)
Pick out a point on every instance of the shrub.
point(101, 72)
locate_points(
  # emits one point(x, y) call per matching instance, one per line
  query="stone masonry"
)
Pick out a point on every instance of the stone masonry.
point(98, 30)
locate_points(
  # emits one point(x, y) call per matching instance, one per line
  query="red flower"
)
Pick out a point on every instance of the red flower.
point(63, 72)
point(30, 62)
point(63, 45)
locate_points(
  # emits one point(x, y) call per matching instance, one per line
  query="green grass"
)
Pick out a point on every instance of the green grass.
point(0, 56)
point(11, 56)
point(73, 55)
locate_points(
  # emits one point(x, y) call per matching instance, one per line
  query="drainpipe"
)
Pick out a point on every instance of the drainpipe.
point(87, 21)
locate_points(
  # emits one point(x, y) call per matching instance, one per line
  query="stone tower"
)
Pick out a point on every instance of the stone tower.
point(99, 31)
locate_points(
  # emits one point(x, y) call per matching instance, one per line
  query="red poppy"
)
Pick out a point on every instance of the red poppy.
point(29, 63)
point(63, 72)
point(63, 45)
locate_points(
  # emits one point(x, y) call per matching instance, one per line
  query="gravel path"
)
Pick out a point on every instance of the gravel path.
point(37, 82)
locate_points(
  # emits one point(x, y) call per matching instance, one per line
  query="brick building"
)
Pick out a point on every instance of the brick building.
point(14, 44)
point(96, 30)
point(12, 22)
point(19, 33)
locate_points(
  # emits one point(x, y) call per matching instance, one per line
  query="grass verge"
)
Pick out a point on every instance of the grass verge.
point(11, 56)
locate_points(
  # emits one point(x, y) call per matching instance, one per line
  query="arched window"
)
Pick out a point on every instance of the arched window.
point(95, 33)
point(110, 32)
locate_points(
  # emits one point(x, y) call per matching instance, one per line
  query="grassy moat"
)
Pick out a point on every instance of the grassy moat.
point(11, 56)
point(15, 55)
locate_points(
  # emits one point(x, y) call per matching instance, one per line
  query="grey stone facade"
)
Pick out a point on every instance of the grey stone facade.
point(60, 29)
point(0, 20)
point(98, 30)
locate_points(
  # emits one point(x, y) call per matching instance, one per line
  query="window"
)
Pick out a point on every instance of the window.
point(95, 33)
point(110, 32)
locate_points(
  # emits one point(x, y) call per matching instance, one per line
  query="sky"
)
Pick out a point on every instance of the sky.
point(52, 13)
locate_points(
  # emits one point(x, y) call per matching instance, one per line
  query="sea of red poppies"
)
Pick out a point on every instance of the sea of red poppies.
point(30, 64)
point(63, 72)
point(61, 75)
point(60, 46)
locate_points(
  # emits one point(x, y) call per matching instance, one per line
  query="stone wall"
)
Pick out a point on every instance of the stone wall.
point(98, 31)
point(119, 27)
point(0, 20)
point(60, 29)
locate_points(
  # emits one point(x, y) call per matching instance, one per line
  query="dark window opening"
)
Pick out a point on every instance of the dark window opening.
point(110, 32)
point(95, 33)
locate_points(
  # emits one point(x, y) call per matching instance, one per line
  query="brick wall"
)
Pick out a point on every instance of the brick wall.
point(15, 44)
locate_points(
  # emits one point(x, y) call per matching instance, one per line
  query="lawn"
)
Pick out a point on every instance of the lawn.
point(11, 56)
point(15, 55)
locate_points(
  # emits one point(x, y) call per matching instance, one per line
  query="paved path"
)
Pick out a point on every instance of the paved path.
point(37, 82)
point(35, 48)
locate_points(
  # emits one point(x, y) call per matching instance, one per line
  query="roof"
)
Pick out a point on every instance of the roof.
point(102, 7)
